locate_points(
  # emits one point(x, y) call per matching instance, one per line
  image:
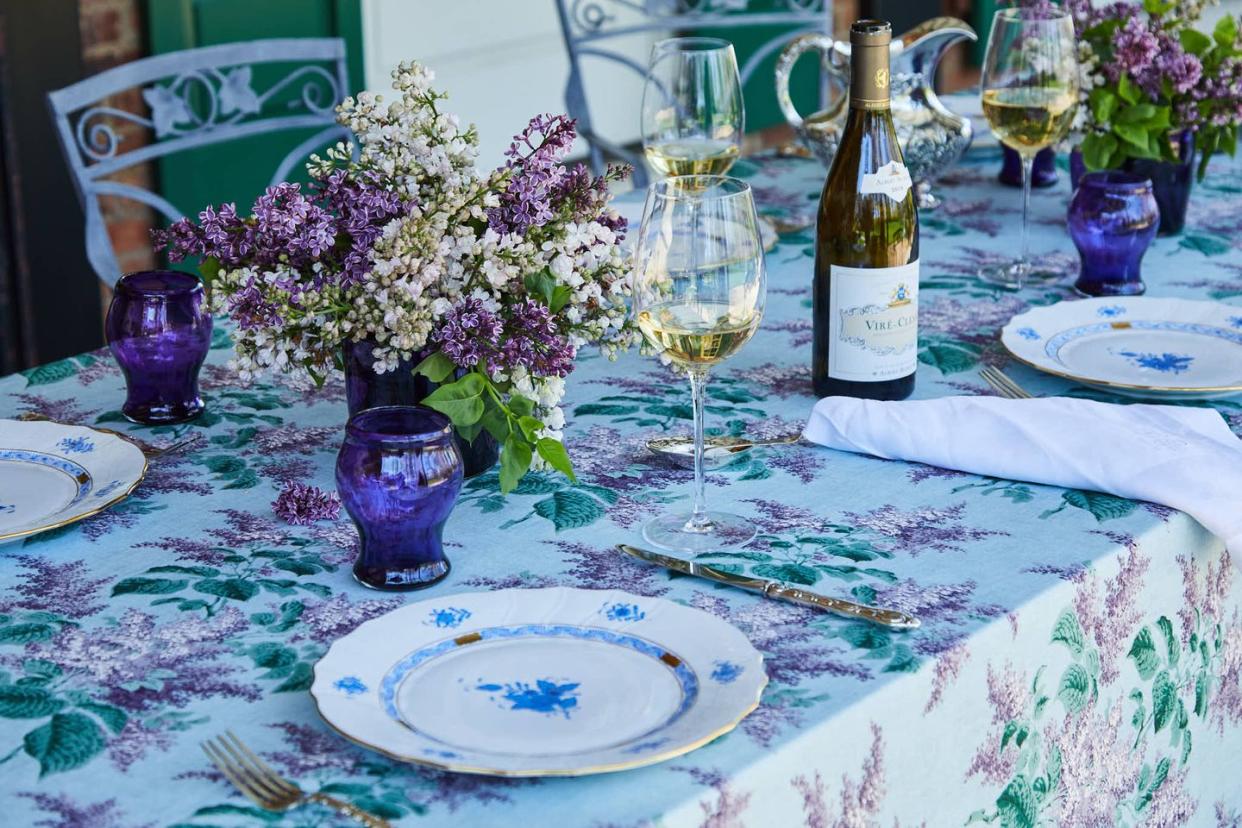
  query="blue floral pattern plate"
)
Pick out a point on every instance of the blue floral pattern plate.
point(539, 682)
point(1140, 346)
point(52, 474)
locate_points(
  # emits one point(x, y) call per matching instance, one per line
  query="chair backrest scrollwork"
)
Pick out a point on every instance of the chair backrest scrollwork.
point(195, 98)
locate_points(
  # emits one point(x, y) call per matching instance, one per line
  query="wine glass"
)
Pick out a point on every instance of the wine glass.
point(692, 116)
point(1030, 95)
point(699, 292)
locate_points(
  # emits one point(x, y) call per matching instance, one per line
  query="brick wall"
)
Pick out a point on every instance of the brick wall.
point(114, 32)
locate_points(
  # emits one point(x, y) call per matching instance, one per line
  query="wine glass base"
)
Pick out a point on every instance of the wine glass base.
point(1015, 276)
point(723, 530)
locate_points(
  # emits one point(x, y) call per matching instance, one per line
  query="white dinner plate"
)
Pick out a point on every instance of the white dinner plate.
point(1140, 346)
point(539, 682)
point(52, 474)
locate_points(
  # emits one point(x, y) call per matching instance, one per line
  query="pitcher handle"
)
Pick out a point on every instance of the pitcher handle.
point(785, 63)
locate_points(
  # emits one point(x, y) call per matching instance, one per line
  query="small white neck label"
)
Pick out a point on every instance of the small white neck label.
point(892, 180)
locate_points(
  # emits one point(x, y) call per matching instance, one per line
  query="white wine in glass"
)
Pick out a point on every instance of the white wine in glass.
point(692, 112)
point(1030, 96)
point(699, 292)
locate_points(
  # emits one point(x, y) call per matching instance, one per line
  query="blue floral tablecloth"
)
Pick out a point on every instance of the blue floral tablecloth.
point(1079, 662)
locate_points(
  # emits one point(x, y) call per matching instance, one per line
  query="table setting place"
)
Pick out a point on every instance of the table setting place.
point(436, 495)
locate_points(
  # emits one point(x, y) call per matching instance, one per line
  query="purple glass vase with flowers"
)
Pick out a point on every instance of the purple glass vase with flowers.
point(365, 388)
point(1112, 220)
point(399, 474)
point(485, 284)
point(1156, 90)
point(159, 330)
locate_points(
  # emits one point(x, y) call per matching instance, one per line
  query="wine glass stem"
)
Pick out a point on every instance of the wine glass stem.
point(698, 517)
point(1028, 163)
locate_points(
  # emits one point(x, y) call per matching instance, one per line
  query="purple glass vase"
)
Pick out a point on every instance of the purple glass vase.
point(159, 330)
point(1112, 220)
point(366, 389)
point(1043, 171)
point(399, 474)
point(1171, 181)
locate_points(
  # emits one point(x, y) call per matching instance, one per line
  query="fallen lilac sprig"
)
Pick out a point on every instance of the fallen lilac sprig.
point(302, 505)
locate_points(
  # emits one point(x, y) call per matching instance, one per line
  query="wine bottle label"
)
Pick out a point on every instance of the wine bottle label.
point(893, 180)
point(873, 322)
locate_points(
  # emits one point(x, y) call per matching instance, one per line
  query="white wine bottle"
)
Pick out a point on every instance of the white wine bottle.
point(866, 289)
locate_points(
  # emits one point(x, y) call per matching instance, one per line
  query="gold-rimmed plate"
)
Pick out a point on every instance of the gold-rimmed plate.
point(1148, 347)
point(539, 682)
point(53, 474)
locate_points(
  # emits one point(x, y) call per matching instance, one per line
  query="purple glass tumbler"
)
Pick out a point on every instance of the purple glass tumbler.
point(399, 473)
point(1112, 220)
point(159, 330)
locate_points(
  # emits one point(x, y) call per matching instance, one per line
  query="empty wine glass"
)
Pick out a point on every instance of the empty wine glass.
point(1030, 95)
point(699, 292)
point(692, 114)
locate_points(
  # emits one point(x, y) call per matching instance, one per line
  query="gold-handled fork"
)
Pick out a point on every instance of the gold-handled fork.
point(268, 789)
point(1003, 385)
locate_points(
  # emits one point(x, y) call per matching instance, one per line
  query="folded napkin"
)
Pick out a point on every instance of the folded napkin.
point(1184, 458)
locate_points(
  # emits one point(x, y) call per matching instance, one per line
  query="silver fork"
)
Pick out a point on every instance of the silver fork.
point(266, 788)
point(1003, 385)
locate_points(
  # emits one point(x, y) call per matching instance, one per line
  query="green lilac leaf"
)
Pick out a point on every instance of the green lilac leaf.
point(790, 572)
point(515, 457)
point(1171, 643)
point(237, 589)
point(26, 633)
point(1074, 688)
point(1163, 700)
point(460, 401)
point(570, 509)
point(147, 586)
point(114, 717)
point(604, 409)
point(50, 373)
point(1208, 245)
point(1143, 651)
point(299, 680)
point(27, 702)
point(67, 741)
point(554, 454)
point(1068, 631)
point(437, 367)
point(1017, 805)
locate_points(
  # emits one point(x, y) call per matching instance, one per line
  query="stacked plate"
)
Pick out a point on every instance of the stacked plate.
point(52, 474)
point(1171, 349)
point(539, 682)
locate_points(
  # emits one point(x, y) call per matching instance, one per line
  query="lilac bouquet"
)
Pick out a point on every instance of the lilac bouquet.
point(499, 277)
point(1148, 75)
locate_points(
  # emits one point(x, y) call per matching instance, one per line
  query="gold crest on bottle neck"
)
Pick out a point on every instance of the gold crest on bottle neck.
point(869, 64)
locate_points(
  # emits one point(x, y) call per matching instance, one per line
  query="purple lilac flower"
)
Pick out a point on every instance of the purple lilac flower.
point(302, 505)
point(363, 206)
point(469, 334)
point(534, 158)
point(534, 342)
point(1135, 47)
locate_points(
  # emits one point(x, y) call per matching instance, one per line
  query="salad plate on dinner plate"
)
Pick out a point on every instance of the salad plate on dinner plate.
point(1139, 346)
point(539, 682)
point(53, 474)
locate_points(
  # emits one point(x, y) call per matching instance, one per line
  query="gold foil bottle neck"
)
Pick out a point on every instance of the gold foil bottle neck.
point(869, 64)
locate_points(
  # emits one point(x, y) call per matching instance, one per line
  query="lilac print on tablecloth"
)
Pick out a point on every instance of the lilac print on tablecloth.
point(191, 607)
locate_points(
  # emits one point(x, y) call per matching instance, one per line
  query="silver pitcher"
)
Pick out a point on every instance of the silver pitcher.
point(932, 137)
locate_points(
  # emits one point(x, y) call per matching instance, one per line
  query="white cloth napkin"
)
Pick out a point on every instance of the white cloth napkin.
point(1184, 458)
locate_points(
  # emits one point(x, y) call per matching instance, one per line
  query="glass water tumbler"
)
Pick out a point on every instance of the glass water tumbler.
point(159, 330)
point(399, 473)
point(1112, 220)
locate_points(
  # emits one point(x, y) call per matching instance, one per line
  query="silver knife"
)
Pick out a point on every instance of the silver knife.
point(892, 619)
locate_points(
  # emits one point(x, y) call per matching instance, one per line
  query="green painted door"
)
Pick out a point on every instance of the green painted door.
point(239, 170)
